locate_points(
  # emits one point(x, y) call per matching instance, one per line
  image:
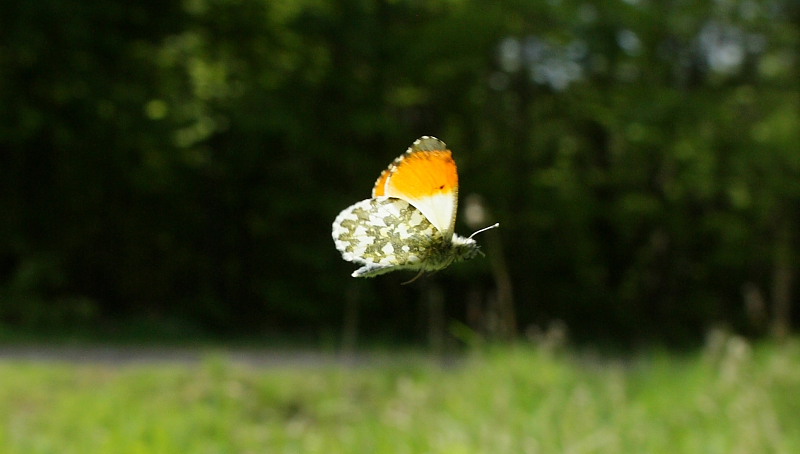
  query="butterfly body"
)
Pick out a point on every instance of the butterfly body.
point(408, 224)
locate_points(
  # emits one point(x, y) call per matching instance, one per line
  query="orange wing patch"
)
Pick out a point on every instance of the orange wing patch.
point(423, 174)
point(380, 186)
point(426, 177)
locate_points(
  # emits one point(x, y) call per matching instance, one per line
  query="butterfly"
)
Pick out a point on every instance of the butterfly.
point(409, 222)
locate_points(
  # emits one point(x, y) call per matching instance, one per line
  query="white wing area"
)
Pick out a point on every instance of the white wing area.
point(439, 209)
point(384, 234)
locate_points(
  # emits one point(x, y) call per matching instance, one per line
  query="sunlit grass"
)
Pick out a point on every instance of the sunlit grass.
point(729, 398)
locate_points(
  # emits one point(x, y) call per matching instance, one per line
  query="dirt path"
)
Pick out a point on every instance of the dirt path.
point(120, 355)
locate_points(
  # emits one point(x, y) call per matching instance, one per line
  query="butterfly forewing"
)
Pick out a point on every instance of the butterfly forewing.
point(425, 176)
point(424, 143)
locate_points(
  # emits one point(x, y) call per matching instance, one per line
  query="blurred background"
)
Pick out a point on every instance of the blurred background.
point(172, 168)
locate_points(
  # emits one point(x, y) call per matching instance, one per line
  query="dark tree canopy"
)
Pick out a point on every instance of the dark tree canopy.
point(180, 162)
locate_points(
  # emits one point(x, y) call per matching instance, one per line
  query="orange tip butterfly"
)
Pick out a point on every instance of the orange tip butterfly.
point(409, 222)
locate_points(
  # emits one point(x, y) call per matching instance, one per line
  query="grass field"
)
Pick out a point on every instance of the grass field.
point(729, 398)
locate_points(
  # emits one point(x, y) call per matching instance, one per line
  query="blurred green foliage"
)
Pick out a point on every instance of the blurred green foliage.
point(728, 398)
point(184, 159)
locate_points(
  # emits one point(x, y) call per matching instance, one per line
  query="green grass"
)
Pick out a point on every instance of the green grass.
point(729, 398)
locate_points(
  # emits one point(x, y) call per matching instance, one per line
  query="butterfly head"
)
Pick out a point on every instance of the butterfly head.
point(467, 248)
point(464, 248)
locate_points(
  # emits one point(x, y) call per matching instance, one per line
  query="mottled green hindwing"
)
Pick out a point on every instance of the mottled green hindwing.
point(387, 234)
point(383, 233)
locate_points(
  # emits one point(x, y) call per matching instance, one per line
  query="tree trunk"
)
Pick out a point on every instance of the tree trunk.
point(782, 277)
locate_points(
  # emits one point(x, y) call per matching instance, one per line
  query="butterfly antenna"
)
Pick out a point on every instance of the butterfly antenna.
point(494, 226)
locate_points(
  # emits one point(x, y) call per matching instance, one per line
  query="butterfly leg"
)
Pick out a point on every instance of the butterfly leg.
point(421, 272)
